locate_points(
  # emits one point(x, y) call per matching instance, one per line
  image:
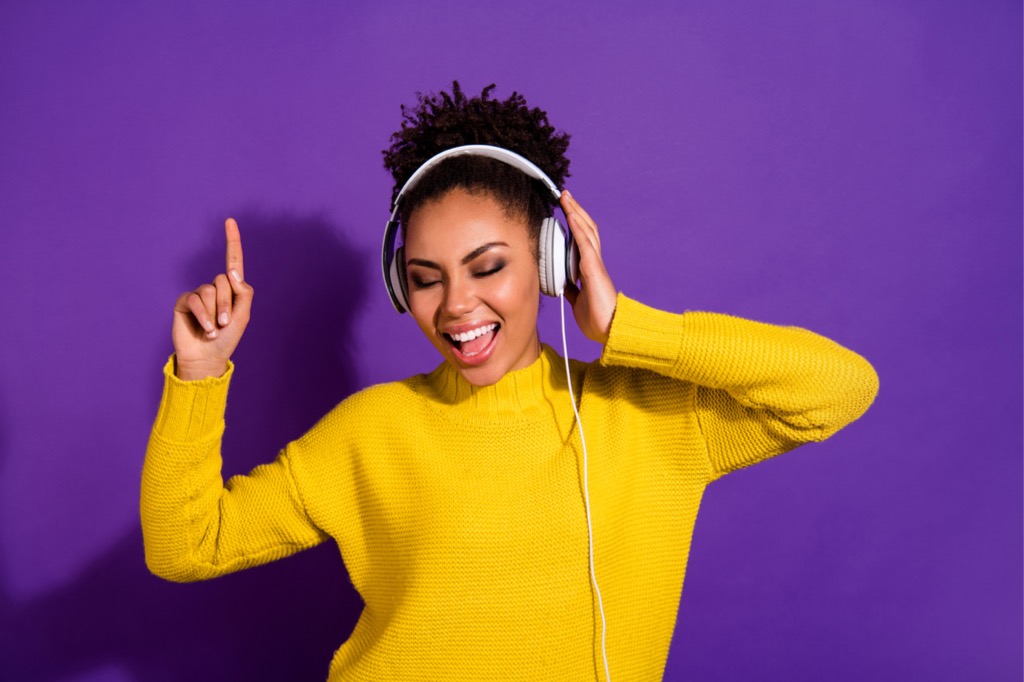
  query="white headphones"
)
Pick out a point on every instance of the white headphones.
point(557, 256)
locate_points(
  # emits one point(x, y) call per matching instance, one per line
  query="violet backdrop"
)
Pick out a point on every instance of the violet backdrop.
point(850, 166)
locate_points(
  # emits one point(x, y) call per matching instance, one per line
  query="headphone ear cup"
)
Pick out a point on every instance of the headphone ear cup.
point(396, 275)
point(572, 262)
point(551, 257)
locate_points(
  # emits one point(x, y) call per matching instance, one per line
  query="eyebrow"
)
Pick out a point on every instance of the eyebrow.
point(466, 260)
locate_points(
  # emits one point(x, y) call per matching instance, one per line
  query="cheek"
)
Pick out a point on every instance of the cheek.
point(422, 311)
point(522, 293)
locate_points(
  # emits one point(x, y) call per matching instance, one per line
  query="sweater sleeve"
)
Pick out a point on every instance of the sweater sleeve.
point(194, 526)
point(760, 389)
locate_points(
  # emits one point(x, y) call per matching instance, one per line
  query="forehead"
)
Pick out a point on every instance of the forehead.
point(460, 221)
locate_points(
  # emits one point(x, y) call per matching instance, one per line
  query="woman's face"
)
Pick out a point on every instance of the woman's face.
point(473, 285)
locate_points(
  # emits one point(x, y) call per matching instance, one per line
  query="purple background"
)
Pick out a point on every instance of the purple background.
point(853, 167)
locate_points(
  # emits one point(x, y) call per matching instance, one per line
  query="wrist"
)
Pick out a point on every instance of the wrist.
point(197, 371)
point(643, 337)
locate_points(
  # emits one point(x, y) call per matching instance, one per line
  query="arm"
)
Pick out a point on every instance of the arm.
point(761, 389)
point(194, 527)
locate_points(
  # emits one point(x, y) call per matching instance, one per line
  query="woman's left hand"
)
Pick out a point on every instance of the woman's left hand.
point(593, 302)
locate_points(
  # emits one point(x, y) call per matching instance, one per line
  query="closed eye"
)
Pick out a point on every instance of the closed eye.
point(488, 273)
point(423, 284)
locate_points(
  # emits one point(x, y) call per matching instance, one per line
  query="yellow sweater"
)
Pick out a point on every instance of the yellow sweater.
point(459, 510)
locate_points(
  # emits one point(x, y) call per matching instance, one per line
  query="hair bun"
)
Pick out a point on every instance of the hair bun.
point(442, 121)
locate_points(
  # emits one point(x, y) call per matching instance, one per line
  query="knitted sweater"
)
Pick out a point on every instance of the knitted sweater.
point(459, 511)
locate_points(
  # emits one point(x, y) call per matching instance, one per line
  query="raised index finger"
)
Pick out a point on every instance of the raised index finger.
point(234, 254)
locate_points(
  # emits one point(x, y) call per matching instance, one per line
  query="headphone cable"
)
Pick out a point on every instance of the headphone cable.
point(586, 492)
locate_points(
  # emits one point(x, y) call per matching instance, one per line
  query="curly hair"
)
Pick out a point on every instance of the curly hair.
point(442, 121)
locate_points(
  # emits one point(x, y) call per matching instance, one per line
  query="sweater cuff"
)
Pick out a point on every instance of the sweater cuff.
point(192, 410)
point(643, 337)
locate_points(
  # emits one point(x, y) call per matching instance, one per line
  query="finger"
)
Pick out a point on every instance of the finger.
point(208, 295)
point(202, 313)
point(234, 247)
point(575, 206)
point(183, 306)
point(584, 237)
point(223, 287)
point(590, 225)
point(243, 292)
point(582, 233)
point(586, 221)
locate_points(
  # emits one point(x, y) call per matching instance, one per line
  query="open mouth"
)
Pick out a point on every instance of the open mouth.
point(475, 345)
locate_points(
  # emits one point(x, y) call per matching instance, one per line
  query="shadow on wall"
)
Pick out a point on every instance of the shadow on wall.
point(295, 361)
point(277, 622)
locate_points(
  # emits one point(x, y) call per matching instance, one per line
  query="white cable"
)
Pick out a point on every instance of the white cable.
point(586, 493)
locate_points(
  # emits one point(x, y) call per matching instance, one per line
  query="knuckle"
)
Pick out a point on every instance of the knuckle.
point(206, 290)
point(196, 307)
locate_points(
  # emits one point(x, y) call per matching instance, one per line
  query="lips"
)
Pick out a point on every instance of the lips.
point(473, 345)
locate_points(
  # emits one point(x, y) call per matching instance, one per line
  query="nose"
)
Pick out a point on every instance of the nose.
point(459, 297)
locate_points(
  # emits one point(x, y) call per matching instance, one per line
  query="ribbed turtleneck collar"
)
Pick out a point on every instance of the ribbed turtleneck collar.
point(529, 393)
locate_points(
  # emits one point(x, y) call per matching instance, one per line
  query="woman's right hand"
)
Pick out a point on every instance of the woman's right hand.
point(209, 322)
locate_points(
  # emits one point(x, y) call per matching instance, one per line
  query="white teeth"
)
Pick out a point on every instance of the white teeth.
point(473, 333)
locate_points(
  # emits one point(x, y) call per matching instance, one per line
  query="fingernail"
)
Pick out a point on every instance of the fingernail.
point(567, 193)
point(237, 277)
point(224, 319)
point(211, 335)
point(208, 326)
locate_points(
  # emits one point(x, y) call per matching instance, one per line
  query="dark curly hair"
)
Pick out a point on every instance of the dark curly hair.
point(442, 121)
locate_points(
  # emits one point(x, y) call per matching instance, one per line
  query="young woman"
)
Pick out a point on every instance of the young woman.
point(464, 500)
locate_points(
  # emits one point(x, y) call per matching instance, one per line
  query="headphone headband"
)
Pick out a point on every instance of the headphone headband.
point(490, 151)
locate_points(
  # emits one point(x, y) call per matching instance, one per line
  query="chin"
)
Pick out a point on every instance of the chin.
point(481, 376)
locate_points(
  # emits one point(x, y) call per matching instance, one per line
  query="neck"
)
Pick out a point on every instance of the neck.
point(533, 392)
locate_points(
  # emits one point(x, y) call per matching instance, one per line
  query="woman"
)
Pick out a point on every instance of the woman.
point(459, 498)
